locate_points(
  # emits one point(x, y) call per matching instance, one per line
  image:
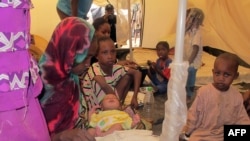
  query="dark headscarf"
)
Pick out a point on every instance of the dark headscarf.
point(68, 47)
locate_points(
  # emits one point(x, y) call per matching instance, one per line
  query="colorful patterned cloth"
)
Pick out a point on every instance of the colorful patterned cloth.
point(21, 117)
point(67, 48)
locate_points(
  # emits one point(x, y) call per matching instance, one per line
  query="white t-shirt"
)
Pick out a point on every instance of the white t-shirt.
point(193, 37)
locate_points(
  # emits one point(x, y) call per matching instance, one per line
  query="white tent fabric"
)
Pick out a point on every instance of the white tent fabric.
point(175, 107)
point(226, 24)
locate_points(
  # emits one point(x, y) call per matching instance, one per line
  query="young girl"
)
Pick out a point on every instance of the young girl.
point(159, 71)
point(105, 76)
point(193, 47)
point(216, 104)
point(111, 117)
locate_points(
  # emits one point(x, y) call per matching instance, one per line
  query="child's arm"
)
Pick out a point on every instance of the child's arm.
point(194, 117)
point(157, 70)
point(136, 74)
point(193, 54)
point(103, 84)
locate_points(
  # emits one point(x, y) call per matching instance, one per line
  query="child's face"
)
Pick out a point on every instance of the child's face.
point(190, 21)
point(103, 30)
point(162, 52)
point(224, 73)
point(107, 54)
point(110, 102)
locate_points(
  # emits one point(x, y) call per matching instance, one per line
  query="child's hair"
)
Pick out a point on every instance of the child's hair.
point(98, 22)
point(196, 14)
point(230, 57)
point(164, 44)
point(109, 7)
point(101, 39)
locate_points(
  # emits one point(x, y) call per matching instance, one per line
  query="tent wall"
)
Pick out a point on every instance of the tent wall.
point(44, 18)
point(226, 24)
point(159, 21)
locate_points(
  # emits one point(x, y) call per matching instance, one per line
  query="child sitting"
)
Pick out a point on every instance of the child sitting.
point(159, 71)
point(216, 104)
point(105, 76)
point(111, 118)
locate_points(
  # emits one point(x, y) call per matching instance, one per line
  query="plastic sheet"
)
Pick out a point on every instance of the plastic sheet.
point(175, 106)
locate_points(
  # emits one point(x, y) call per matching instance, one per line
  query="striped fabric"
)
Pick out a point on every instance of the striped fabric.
point(92, 91)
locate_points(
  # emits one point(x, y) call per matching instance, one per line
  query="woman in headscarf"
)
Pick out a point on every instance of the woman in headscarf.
point(66, 57)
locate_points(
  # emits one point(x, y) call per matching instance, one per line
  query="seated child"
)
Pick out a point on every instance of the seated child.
point(159, 71)
point(216, 104)
point(105, 77)
point(111, 118)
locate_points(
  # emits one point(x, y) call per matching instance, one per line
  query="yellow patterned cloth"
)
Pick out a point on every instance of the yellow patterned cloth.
point(105, 119)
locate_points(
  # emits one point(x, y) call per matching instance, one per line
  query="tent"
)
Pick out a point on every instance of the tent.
point(225, 26)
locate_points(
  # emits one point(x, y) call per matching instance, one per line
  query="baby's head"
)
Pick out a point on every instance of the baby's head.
point(225, 71)
point(162, 49)
point(110, 102)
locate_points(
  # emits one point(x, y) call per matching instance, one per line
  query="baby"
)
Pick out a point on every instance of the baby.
point(110, 118)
